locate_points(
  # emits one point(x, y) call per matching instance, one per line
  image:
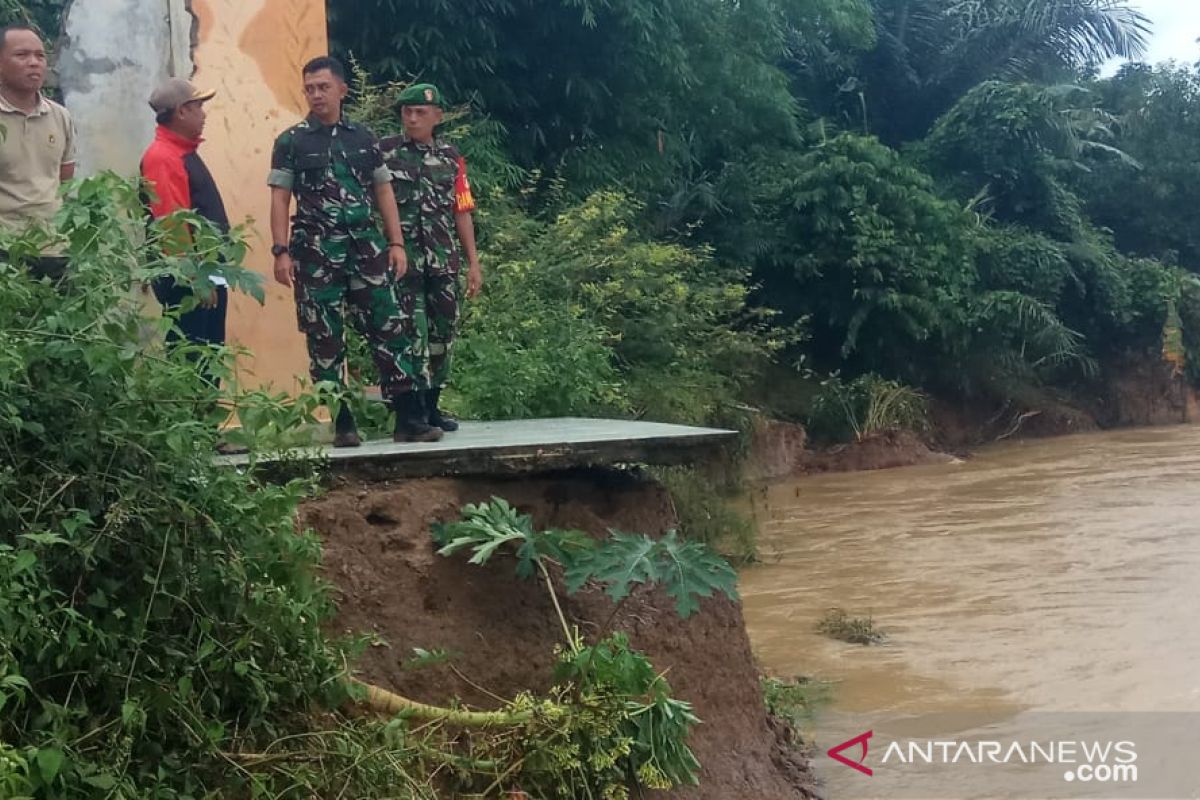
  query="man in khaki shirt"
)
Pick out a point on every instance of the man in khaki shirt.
point(37, 146)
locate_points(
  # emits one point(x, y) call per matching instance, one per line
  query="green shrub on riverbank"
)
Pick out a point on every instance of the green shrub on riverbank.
point(587, 314)
point(867, 405)
point(797, 701)
point(154, 610)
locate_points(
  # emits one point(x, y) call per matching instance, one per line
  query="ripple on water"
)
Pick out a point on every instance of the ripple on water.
point(1047, 575)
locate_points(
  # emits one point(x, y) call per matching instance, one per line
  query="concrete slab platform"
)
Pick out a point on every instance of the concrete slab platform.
point(519, 446)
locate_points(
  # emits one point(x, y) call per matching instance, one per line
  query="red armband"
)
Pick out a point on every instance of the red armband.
point(464, 201)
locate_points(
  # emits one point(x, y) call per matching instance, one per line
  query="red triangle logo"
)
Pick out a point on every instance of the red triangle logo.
point(861, 741)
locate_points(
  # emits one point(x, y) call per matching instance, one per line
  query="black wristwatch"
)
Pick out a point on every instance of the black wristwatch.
point(278, 249)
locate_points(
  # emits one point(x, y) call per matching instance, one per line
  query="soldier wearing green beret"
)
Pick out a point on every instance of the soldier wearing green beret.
point(429, 178)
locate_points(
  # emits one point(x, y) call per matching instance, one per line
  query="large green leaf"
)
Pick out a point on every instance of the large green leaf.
point(486, 527)
point(686, 570)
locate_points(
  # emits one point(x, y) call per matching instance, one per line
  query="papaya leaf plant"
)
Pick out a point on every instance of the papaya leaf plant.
point(652, 725)
point(687, 571)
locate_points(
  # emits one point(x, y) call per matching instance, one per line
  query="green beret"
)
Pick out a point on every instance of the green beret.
point(421, 94)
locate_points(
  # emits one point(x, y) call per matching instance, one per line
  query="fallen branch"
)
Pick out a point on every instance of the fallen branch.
point(1017, 425)
point(386, 702)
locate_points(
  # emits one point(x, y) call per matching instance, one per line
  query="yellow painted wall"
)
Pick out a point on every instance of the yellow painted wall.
point(251, 52)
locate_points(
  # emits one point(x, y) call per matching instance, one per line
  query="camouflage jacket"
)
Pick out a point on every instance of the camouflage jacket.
point(332, 171)
point(431, 186)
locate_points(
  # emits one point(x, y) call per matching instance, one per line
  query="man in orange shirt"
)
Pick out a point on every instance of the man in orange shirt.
point(179, 179)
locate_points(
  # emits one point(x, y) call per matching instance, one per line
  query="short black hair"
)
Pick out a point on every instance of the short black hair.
point(16, 26)
point(165, 117)
point(326, 62)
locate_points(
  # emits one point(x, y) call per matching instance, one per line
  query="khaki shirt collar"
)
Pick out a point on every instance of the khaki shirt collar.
point(43, 107)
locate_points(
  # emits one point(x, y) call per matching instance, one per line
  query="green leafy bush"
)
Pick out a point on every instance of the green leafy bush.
point(655, 723)
point(586, 314)
point(856, 241)
point(1016, 259)
point(526, 351)
point(157, 612)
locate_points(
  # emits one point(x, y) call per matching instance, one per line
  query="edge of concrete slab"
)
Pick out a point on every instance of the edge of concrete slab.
point(508, 448)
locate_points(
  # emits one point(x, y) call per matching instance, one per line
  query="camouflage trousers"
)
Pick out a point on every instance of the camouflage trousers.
point(431, 293)
point(340, 273)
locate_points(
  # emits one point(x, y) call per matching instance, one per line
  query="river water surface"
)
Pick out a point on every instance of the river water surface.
point(1051, 575)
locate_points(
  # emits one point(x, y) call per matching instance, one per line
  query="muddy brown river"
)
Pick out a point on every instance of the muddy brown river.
point(1056, 575)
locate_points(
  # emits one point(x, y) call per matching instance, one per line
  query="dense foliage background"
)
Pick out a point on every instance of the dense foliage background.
point(677, 194)
point(941, 194)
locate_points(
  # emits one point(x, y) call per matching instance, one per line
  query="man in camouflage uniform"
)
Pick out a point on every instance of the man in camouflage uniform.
point(429, 178)
point(336, 255)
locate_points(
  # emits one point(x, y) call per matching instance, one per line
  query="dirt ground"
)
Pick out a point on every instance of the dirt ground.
point(501, 630)
point(781, 450)
point(884, 450)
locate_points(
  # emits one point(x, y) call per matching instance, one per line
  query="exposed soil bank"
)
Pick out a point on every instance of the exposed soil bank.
point(1135, 393)
point(1146, 392)
point(781, 450)
point(502, 631)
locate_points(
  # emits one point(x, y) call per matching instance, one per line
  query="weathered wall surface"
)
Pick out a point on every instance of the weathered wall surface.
point(112, 55)
point(250, 52)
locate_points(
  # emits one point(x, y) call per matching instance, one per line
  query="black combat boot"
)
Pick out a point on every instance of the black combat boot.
point(345, 431)
point(411, 422)
point(436, 418)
